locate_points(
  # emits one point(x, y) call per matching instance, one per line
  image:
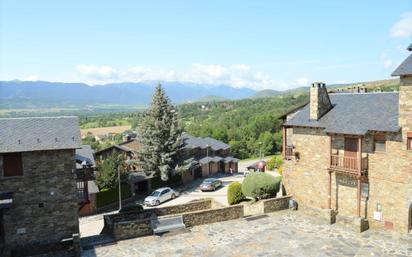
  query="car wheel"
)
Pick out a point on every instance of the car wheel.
point(173, 196)
point(157, 203)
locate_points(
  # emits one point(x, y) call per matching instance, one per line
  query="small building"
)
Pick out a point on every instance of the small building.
point(210, 157)
point(37, 165)
point(348, 156)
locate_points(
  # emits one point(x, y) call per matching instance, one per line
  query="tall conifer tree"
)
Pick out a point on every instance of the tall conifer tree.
point(160, 134)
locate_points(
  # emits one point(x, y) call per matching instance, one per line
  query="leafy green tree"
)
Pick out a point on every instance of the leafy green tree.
point(107, 171)
point(160, 135)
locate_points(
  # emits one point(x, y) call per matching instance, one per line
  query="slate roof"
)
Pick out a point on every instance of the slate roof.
point(230, 159)
point(85, 153)
point(355, 114)
point(39, 133)
point(120, 147)
point(405, 68)
point(199, 142)
point(208, 159)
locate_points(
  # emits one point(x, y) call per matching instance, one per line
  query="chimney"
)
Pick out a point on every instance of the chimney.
point(404, 71)
point(319, 101)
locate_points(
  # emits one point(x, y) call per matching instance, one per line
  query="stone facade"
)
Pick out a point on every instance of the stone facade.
point(389, 184)
point(44, 206)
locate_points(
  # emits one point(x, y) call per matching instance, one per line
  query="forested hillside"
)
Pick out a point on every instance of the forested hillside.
point(248, 126)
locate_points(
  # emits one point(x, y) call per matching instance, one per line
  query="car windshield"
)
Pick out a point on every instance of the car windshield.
point(155, 193)
point(208, 181)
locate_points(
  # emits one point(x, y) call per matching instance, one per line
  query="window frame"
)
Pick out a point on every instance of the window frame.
point(379, 138)
point(409, 141)
point(6, 157)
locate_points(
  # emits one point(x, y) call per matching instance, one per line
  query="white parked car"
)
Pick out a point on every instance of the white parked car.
point(160, 195)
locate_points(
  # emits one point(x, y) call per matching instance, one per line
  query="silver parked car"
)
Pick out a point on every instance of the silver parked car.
point(210, 184)
point(160, 195)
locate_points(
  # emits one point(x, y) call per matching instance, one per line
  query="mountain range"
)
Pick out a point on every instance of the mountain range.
point(42, 94)
point(46, 95)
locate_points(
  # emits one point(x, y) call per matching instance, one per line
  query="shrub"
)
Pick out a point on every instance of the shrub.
point(274, 162)
point(280, 170)
point(234, 193)
point(108, 196)
point(260, 185)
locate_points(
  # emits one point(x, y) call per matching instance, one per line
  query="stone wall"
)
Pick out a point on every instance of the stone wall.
point(45, 206)
point(319, 101)
point(213, 215)
point(390, 178)
point(129, 229)
point(276, 204)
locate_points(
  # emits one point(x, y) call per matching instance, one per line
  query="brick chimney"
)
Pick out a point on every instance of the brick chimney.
point(404, 71)
point(319, 100)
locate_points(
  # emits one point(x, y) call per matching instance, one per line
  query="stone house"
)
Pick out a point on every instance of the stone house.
point(210, 157)
point(37, 165)
point(349, 155)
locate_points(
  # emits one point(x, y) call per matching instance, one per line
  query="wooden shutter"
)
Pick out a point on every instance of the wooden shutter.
point(12, 165)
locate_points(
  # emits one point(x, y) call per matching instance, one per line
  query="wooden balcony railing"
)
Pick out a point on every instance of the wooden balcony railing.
point(289, 152)
point(348, 164)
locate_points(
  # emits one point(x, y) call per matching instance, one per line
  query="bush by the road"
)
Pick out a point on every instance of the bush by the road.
point(274, 162)
point(234, 193)
point(260, 185)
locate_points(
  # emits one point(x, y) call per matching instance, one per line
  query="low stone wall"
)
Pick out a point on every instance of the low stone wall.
point(134, 224)
point(129, 229)
point(276, 204)
point(213, 215)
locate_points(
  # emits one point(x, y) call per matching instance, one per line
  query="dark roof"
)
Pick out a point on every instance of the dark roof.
point(355, 114)
point(405, 68)
point(40, 133)
point(120, 147)
point(208, 159)
point(85, 153)
point(230, 159)
point(199, 142)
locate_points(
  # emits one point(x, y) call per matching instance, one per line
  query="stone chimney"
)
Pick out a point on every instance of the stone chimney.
point(319, 101)
point(405, 94)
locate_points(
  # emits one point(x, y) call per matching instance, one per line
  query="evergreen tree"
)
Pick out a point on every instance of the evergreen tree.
point(160, 135)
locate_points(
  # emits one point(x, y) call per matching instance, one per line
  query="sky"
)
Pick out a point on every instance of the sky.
point(257, 44)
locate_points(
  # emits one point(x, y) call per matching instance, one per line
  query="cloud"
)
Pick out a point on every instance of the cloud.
point(30, 78)
point(302, 81)
point(403, 27)
point(387, 62)
point(238, 75)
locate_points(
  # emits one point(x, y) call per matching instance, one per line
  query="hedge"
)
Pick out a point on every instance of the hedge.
point(260, 185)
point(234, 193)
point(108, 196)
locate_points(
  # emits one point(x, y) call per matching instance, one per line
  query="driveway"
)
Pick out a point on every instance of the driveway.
point(93, 225)
point(285, 233)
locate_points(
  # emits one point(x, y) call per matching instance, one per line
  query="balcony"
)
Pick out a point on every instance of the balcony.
point(348, 165)
point(289, 154)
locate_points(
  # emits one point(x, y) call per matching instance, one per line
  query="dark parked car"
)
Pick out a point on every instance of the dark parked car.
point(131, 208)
point(210, 184)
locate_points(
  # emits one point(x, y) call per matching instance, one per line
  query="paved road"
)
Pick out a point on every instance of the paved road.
point(283, 233)
point(93, 225)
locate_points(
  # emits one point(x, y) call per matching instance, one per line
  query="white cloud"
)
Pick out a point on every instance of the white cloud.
point(387, 62)
point(239, 75)
point(403, 27)
point(302, 81)
point(30, 78)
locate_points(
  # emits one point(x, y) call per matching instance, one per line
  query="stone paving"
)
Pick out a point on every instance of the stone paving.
point(284, 233)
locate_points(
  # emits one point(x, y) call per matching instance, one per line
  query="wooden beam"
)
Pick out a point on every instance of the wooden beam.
point(359, 175)
point(330, 174)
point(284, 141)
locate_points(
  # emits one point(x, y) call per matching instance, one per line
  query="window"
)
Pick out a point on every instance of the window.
point(380, 143)
point(12, 165)
point(409, 141)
